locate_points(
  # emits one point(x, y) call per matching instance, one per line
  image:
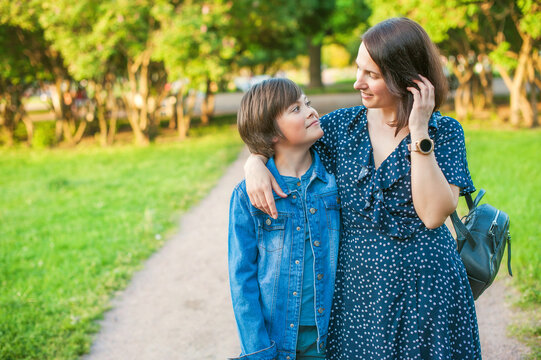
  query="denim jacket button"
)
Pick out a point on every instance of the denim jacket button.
point(320, 310)
point(298, 228)
point(316, 243)
point(268, 221)
point(294, 293)
point(313, 211)
point(297, 262)
point(291, 325)
point(319, 276)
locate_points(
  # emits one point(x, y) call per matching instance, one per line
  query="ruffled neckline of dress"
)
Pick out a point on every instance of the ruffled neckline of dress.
point(374, 184)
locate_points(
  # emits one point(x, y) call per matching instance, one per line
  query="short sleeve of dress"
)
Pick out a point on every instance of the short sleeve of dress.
point(327, 146)
point(450, 151)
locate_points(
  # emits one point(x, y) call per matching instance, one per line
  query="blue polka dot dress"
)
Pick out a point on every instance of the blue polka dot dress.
point(401, 289)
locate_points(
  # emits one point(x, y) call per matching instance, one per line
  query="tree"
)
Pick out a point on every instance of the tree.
point(515, 51)
point(26, 44)
point(195, 48)
point(17, 73)
point(501, 34)
point(320, 19)
point(70, 29)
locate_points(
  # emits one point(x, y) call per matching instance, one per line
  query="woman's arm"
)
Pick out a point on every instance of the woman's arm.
point(260, 183)
point(433, 197)
point(243, 269)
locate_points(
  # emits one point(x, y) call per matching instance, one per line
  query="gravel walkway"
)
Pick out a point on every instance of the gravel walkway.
point(178, 306)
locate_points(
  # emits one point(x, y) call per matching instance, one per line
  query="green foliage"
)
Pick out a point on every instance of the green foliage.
point(44, 134)
point(501, 56)
point(531, 12)
point(75, 225)
point(336, 56)
point(18, 13)
point(265, 31)
point(193, 41)
point(436, 16)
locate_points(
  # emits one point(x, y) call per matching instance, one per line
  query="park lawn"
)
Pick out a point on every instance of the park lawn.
point(507, 164)
point(76, 223)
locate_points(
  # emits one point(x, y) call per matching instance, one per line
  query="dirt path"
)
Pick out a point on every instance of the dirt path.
point(493, 316)
point(178, 306)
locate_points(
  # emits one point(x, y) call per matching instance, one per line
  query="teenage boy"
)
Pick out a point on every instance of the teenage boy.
point(282, 270)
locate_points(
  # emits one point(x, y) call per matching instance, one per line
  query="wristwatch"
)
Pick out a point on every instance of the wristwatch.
point(424, 146)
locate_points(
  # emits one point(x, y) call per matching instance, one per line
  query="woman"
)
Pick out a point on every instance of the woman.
point(401, 289)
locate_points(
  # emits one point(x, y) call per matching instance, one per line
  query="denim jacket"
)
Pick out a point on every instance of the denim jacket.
point(266, 264)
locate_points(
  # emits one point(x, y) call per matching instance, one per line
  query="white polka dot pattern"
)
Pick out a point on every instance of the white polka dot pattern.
point(401, 290)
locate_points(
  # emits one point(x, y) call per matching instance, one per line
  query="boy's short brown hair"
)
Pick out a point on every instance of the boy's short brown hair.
point(259, 109)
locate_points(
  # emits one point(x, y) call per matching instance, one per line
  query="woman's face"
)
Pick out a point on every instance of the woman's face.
point(370, 82)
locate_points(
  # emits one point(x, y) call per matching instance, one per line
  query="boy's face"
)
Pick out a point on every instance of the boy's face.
point(299, 124)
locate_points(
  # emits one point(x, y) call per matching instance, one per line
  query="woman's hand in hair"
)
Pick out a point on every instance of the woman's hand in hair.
point(423, 106)
point(260, 183)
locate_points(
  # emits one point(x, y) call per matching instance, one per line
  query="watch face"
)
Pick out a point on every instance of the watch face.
point(425, 145)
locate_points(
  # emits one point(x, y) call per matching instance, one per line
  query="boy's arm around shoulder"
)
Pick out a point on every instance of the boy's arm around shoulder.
point(243, 256)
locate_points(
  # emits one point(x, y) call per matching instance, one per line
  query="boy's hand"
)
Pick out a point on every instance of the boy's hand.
point(259, 185)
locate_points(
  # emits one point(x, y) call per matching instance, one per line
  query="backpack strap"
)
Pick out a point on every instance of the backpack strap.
point(462, 233)
point(509, 254)
point(474, 203)
point(469, 201)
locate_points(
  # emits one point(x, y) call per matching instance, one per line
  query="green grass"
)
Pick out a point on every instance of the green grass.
point(507, 164)
point(75, 224)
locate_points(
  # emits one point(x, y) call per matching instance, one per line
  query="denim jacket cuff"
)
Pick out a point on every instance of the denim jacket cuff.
point(269, 353)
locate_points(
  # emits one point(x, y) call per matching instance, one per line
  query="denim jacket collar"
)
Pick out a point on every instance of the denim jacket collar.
point(317, 168)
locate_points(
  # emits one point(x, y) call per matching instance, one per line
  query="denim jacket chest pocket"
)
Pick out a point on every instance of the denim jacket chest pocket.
point(331, 202)
point(271, 232)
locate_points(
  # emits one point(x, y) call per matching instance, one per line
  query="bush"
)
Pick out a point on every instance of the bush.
point(44, 134)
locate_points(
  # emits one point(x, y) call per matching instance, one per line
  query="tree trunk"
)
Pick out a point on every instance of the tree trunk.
point(464, 74)
point(133, 112)
point(79, 132)
point(183, 122)
point(485, 76)
point(133, 118)
point(9, 119)
point(207, 105)
point(173, 120)
point(533, 93)
point(186, 115)
point(101, 113)
point(533, 103)
point(29, 125)
point(314, 54)
point(115, 109)
point(515, 83)
point(58, 108)
point(144, 91)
